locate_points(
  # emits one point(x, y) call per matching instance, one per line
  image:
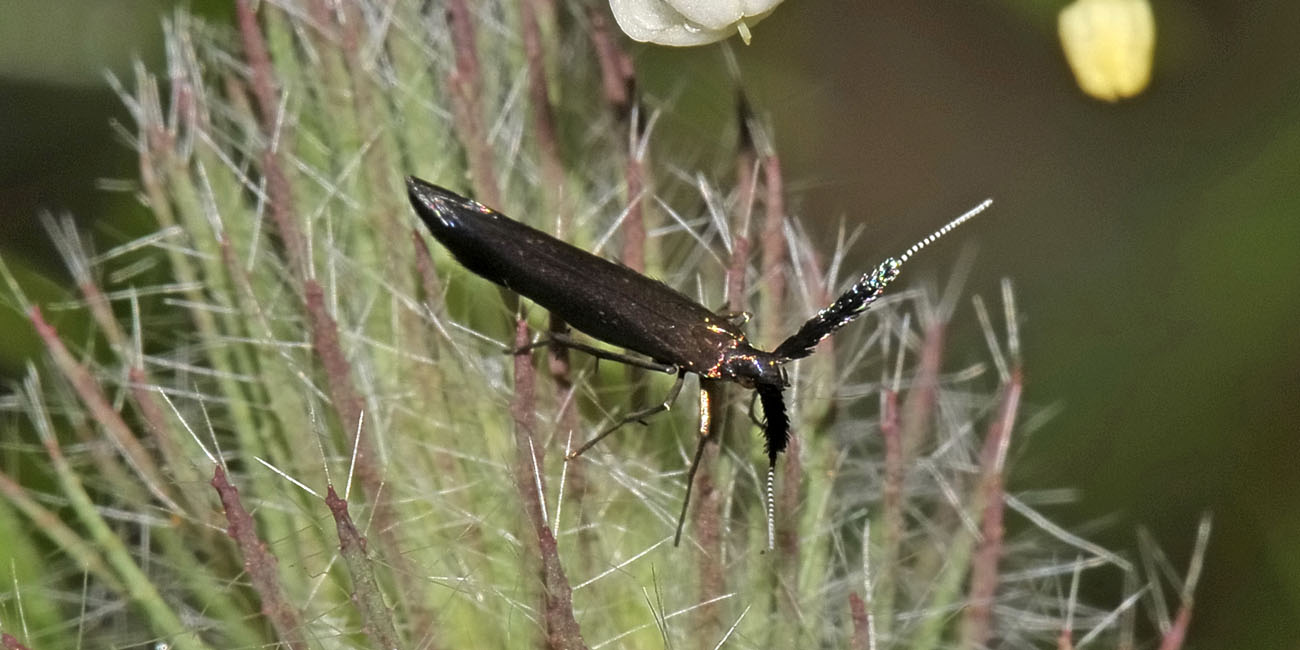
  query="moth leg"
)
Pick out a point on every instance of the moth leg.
point(634, 416)
point(707, 404)
point(600, 353)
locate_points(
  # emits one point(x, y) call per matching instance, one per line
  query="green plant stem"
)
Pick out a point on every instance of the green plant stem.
point(139, 587)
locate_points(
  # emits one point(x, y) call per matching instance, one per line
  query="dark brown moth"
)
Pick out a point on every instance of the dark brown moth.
point(619, 306)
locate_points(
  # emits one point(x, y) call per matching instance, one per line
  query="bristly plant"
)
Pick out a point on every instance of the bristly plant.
point(294, 424)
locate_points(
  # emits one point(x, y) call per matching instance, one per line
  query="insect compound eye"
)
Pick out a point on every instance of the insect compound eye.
point(770, 373)
point(750, 370)
point(742, 370)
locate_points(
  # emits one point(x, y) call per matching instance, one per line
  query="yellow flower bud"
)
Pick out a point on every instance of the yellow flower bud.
point(1109, 45)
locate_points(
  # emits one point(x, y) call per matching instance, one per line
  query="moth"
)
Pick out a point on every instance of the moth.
point(612, 303)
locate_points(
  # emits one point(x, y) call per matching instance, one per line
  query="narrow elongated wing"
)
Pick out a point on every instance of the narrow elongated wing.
point(607, 301)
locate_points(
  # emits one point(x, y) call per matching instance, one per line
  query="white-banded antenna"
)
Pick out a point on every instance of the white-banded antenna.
point(771, 507)
point(970, 214)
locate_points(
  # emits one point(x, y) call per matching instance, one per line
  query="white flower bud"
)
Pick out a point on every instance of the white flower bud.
point(689, 22)
point(1109, 44)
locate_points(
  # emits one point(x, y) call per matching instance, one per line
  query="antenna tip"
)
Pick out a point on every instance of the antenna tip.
point(967, 216)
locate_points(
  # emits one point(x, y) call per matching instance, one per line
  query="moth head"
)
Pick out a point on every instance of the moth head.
point(751, 368)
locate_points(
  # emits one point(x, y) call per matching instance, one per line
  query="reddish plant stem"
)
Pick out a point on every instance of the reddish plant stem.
point(164, 436)
point(103, 315)
point(746, 190)
point(10, 642)
point(103, 412)
point(324, 329)
point(861, 623)
point(635, 175)
point(527, 465)
point(745, 184)
point(467, 104)
point(544, 131)
point(618, 81)
point(562, 631)
point(156, 147)
point(921, 398)
point(259, 61)
point(634, 232)
point(348, 404)
point(552, 171)
point(283, 211)
point(892, 506)
point(1177, 633)
point(261, 566)
point(707, 523)
point(528, 454)
point(772, 269)
point(343, 395)
point(376, 616)
point(893, 488)
point(151, 412)
point(139, 382)
point(1064, 640)
point(616, 72)
point(977, 623)
point(736, 286)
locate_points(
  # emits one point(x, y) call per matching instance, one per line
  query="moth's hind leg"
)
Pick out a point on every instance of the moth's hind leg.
point(564, 340)
point(634, 416)
point(710, 394)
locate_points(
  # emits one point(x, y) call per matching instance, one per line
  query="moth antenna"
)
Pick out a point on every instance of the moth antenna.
point(771, 504)
point(970, 214)
point(858, 297)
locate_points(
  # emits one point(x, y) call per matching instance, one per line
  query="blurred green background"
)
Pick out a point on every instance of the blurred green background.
point(1154, 244)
